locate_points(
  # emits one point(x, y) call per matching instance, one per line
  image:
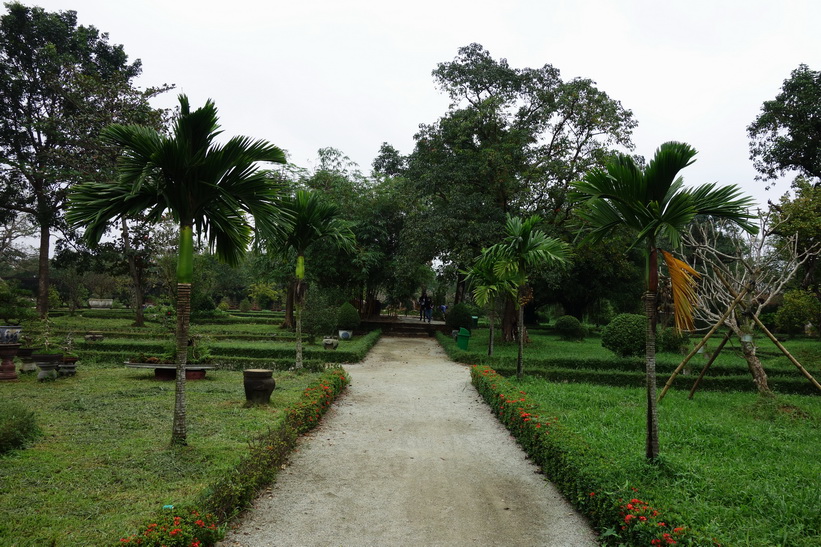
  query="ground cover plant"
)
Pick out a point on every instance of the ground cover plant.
point(102, 467)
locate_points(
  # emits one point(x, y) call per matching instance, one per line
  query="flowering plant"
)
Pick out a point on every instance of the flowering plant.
point(186, 529)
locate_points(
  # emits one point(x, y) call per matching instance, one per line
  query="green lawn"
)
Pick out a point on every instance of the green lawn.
point(103, 463)
point(739, 467)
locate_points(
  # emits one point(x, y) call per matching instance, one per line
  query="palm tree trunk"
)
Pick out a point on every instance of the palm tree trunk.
point(298, 306)
point(652, 448)
point(491, 334)
point(185, 272)
point(652, 445)
point(179, 428)
point(520, 356)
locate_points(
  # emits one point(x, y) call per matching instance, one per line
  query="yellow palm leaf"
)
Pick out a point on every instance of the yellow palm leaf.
point(683, 282)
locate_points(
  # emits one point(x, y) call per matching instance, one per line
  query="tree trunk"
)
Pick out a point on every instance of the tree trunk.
point(509, 320)
point(491, 335)
point(42, 271)
point(288, 323)
point(460, 288)
point(136, 278)
point(179, 430)
point(652, 446)
point(520, 356)
point(185, 273)
point(748, 350)
point(298, 298)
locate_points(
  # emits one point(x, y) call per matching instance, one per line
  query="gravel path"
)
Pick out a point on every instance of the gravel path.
point(410, 456)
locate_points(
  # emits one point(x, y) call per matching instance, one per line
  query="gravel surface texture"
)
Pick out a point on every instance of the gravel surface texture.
point(410, 456)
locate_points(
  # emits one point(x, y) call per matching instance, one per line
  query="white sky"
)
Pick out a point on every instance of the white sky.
point(352, 74)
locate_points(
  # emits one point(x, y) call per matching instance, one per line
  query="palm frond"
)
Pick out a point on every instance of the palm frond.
point(683, 282)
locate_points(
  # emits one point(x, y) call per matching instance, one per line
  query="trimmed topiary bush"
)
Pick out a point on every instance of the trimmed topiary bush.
point(671, 340)
point(569, 328)
point(459, 316)
point(347, 317)
point(625, 335)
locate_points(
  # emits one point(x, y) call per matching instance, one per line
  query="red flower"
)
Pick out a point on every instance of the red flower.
point(628, 518)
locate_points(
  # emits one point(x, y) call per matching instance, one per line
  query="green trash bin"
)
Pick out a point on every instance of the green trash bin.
point(462, 338)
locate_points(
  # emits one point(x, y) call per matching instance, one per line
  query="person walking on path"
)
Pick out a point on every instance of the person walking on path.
point(410, 456)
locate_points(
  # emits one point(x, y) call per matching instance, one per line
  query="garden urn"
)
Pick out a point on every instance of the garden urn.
point(259, 384)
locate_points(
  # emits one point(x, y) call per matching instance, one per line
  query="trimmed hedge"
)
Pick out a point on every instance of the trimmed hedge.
point(584, 474)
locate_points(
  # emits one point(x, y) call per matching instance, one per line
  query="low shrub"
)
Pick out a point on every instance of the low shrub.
point(625, 335)
point(245, 305)
point(671, 340)
point(348, 317)
point(182, 528)
point(17, 426)
point(569, 328)
point(459, 316)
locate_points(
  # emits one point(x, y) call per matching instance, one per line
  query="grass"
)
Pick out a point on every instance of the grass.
point(743, 469)
point(103, 462)
point(556, 360)
point(734, 466)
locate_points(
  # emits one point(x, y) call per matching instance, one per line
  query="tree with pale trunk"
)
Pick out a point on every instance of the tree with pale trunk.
point(732, 262)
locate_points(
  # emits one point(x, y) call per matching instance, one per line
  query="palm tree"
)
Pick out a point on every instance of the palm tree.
point(312, 220)
point(652, 203)
point(523, 248)
point(487, 288)
point(205, 186)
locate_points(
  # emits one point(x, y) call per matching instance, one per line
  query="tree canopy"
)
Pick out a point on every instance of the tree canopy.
point(786, 135)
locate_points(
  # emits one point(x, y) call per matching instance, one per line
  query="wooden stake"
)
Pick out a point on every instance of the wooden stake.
point(709, 362)
point(701, 343)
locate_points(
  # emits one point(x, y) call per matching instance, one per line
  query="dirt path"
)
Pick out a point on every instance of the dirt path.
point(410, 456)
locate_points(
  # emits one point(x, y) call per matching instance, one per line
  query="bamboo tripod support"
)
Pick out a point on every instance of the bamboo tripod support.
point(701, 343)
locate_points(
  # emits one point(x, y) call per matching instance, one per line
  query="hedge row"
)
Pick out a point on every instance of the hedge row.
point(584, 474)
point(238, 487)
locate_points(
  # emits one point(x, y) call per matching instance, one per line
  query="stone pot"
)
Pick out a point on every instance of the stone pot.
point(28, 363)
point(345, 334)
point(7, 353)
point(259, 384)
point(10, 334)
point(69, 365)
point(48, 364)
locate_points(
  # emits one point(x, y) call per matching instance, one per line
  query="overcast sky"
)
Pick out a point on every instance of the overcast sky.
point(353, 74)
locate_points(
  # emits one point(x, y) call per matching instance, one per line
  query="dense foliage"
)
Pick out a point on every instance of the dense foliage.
point(625, 334)
point(569, 328)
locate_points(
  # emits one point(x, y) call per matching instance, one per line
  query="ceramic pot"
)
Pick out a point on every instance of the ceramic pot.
point(259, 384)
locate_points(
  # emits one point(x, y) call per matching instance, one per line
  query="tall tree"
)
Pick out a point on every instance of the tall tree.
point(786, 135)
point(510, 143)
point(313, 220)
point(42, 58)
point(651, 202)
point(524, 248)
point(205, 186)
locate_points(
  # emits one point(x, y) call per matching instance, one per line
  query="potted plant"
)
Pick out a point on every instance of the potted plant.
point(47, 354)
point(14, 308)
point(347, 321)
point(69, 364)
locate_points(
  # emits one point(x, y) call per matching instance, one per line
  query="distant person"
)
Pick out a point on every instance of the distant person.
point(428, 307)
point(444, 309)
point(422, 300)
